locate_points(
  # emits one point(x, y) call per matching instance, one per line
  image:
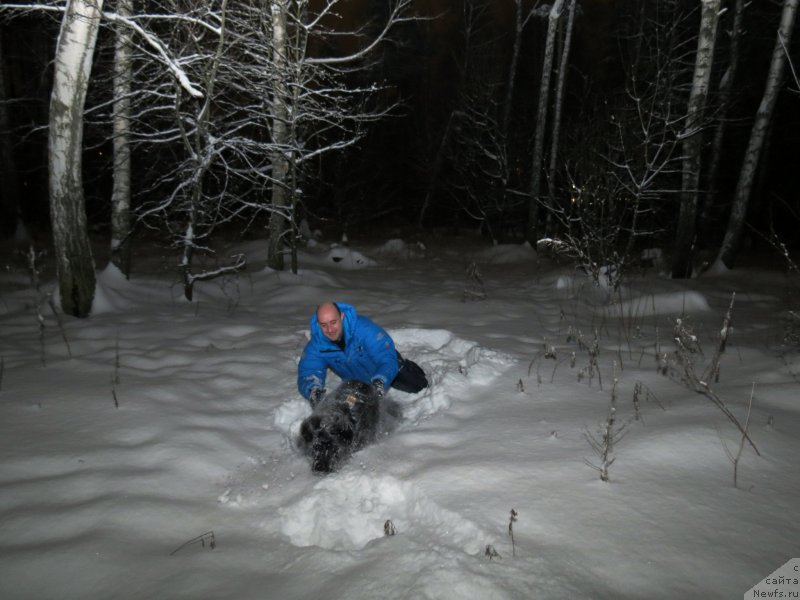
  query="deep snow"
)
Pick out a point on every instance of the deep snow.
point(97, 501)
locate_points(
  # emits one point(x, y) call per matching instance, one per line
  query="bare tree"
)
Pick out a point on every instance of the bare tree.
point(476, 156)
point(693, 140)
point(624, 171)
point(444, 171)
point(758, 136)
point(283, 100)
point(558, 105)
point(320, 100)
point(9, 183)
point(479, 147)
point(724, 104)
point(237, 134)
point(541, 122)
point(121, 191)
point(73, 63)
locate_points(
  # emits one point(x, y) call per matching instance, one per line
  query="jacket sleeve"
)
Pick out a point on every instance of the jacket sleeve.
point(311, 370)
point(381, 348)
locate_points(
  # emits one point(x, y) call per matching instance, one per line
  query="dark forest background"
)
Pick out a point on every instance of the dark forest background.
point(443, 76)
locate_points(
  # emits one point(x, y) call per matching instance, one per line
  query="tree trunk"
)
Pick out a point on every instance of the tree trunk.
point(730, 243)
point(280, 138)
point(202, 157)
point(438, 160)
point(9, 182)
point(73, 63)
point(693, 141)
point(541, 123)
point(725, 89)
point(512, 70)
point(121, 191)
point(558, 104)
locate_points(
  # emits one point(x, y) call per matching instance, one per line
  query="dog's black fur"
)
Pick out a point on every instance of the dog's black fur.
point(342, 422)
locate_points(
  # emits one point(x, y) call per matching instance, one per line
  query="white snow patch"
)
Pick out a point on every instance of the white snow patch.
point(398, 248)
point(347, 511)
point(674, 303)
point(96, 494)
point(341, 258)
point(108, 296)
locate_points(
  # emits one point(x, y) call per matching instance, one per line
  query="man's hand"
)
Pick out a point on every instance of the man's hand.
point(377, 385)
point(315, 396)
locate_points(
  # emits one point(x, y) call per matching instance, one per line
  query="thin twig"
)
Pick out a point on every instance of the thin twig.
point(60, 323)
point(713, 372)
point(114, 392)
point(116, 359)
point(512, 519)
point(741, 442)
point(208, 536)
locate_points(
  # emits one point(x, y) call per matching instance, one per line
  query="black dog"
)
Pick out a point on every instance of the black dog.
point(342, 422)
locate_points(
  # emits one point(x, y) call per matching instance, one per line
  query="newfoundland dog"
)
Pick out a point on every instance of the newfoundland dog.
point(342, 422)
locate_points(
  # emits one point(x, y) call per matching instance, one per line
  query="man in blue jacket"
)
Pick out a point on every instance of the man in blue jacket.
point(353, 347)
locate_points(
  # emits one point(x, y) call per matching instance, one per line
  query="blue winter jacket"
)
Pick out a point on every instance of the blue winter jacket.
point(369, 353)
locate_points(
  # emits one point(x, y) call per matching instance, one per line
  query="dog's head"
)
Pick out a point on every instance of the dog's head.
point(328, 438)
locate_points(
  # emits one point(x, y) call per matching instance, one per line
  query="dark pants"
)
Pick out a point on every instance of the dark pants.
point(410, 377)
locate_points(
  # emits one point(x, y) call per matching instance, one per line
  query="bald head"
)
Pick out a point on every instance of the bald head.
point(330, 321)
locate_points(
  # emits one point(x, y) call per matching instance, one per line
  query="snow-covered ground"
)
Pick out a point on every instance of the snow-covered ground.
point(98, 498)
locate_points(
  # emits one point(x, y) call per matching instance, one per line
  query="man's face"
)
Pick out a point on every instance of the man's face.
point(330, 321)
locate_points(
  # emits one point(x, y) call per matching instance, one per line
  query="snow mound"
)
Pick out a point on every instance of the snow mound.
point(452, 365)
point(347, 511)
point(502, 254)
point(606, 275)
point(107, 297)
point(341, 258)
point(289, 416)
point(718, 268)
point(398, 248)
point(676, 303)
point(278, 280)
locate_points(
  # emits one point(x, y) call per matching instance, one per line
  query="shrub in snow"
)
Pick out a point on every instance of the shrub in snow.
point(609, 434)
point(473, 287)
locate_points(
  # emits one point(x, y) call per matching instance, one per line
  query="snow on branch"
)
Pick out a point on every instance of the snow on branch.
point(394, 19)
point(161, 49)
point(43, 6)
point(240, 262)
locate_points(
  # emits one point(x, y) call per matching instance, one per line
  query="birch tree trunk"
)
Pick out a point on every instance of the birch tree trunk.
point(558, 104)
point(121, 190)
point(280, 137)
point(730, 243)
point(541, 123)
point(725, 90)
point(693, 140)
point(73, 63)
point(9, 182)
